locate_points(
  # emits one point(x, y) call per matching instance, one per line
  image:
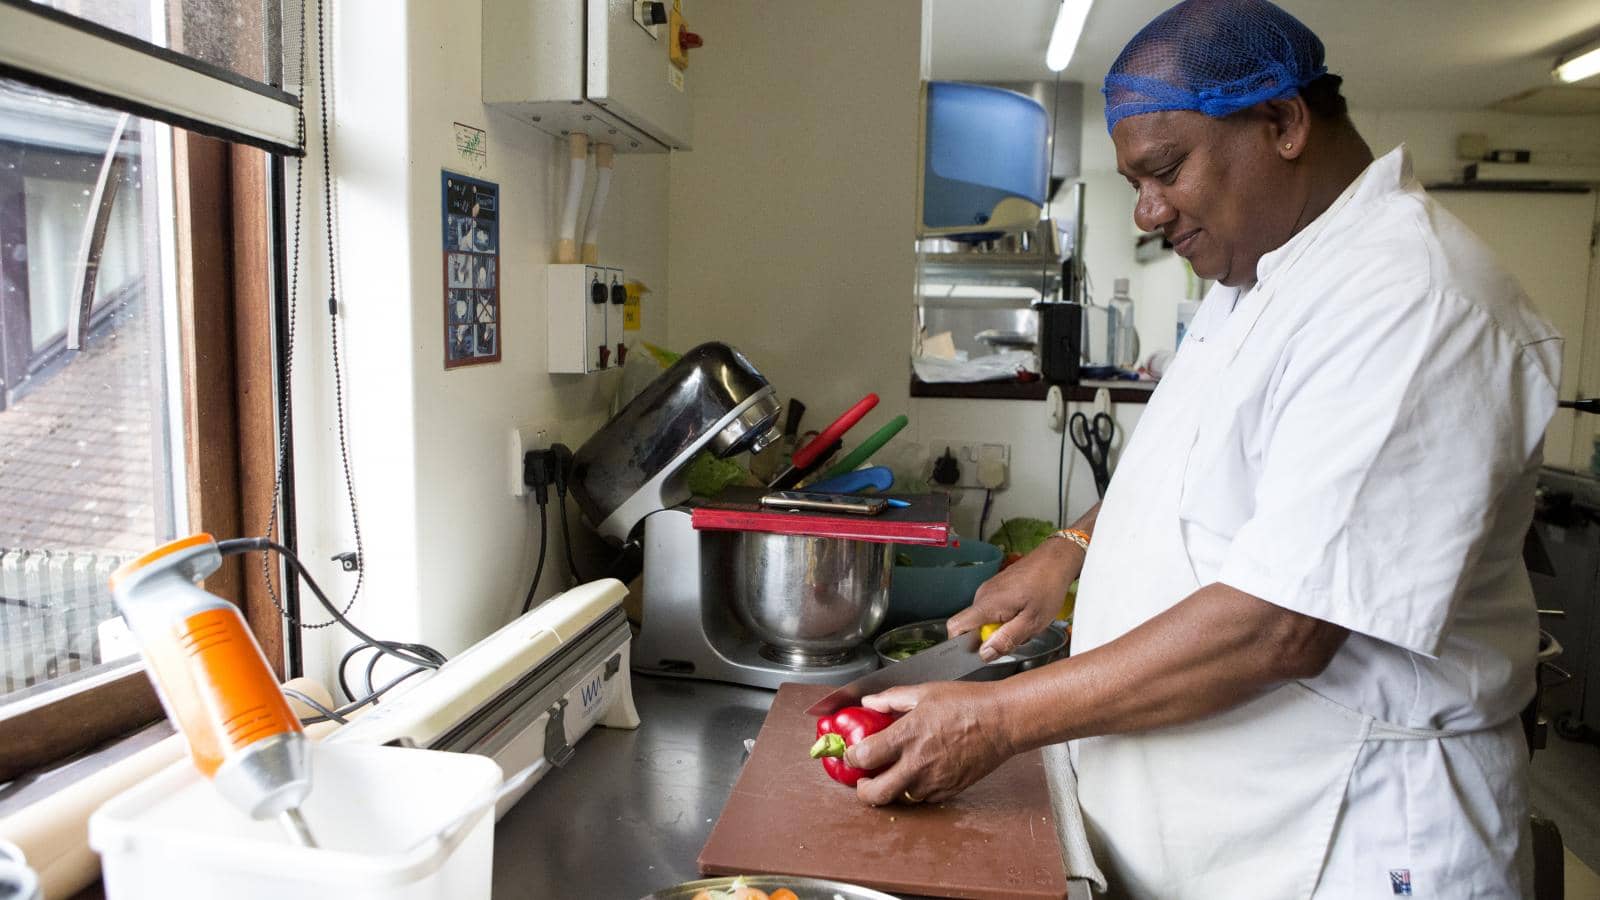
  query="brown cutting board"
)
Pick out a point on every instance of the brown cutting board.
point(786, 817)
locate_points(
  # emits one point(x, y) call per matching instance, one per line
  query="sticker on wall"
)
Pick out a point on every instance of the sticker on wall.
point(632, 317)
point(472, 145)
point(470, 219)
point(675, 76)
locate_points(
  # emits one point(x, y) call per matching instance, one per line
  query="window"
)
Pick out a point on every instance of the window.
point(238, 36)
point(137, 378)
point(86, 464)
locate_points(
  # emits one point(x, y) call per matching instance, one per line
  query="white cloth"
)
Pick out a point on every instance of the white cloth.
point(1076, 854)
point(1356, 438)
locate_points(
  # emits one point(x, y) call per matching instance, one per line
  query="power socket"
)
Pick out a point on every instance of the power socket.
point(992, 459)
point(523, 439)
point(970, 453)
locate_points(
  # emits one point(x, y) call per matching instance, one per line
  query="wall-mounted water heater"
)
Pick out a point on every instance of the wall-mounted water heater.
point(615, 70)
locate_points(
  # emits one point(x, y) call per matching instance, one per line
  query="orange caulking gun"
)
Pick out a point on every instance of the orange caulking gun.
point(215, 683)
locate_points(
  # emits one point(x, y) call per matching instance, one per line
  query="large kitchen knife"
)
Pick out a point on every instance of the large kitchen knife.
point(948, 661)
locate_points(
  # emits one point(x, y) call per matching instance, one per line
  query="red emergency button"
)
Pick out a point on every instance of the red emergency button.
point(688, 40)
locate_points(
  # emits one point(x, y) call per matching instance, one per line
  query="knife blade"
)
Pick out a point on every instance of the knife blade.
point(947, 661)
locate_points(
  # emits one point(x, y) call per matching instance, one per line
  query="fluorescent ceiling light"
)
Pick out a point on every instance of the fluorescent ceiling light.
point(1583, 64)
point(1064, 37)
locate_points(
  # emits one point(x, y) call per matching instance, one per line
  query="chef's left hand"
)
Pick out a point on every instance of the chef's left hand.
point(948, 736)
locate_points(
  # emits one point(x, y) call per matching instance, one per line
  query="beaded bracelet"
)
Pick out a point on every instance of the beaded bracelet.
point(1075, 536)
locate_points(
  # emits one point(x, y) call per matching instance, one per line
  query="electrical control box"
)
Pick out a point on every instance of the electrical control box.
point(585, 310)
point(616, 70)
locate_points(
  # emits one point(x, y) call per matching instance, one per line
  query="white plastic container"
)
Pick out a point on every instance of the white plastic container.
point(390, 823)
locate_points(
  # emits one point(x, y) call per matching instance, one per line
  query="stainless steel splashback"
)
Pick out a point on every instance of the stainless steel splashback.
point(712, 398)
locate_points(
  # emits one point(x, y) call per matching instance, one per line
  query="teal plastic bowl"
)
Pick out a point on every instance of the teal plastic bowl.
point(937, 582)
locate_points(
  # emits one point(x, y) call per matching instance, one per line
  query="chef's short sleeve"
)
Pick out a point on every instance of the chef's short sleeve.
point(1390, 432)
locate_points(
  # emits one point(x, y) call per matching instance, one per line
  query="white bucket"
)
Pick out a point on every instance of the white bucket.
point(389, 822)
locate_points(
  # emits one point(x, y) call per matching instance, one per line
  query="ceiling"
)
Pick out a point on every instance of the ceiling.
point(1416, 54)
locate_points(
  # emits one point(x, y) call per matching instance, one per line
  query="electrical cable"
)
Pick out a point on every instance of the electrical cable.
point(327, 715)
point(338, 715)
point(372, 665)
point(344, 683)
point(344, 662)
point(418, 655)
point(983, 517)
point(1061, 482)
point(562, 457)
point(538, 568)
point(566, 539)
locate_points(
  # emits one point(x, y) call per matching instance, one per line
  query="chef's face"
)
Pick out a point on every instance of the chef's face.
point(1215, 188)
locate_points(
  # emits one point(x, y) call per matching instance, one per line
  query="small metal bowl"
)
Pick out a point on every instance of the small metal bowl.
point(805, 888)
point(1045, 647)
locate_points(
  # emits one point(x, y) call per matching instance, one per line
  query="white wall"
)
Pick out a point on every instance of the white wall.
point(1431, 136)
point(792, 216)
point(448, 550)
point(792, 230)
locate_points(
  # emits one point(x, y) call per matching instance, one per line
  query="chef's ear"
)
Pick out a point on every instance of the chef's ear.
point(1289, 122)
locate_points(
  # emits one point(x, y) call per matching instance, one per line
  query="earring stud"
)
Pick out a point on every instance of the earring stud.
point(1288, 146)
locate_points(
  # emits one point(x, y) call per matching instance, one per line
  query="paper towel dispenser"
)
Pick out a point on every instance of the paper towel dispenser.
point(984, 165)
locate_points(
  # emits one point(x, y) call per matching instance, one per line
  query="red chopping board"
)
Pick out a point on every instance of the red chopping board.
point(786, 817)
point(925, 521)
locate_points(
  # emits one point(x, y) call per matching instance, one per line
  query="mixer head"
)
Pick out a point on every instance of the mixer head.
point(710, 399)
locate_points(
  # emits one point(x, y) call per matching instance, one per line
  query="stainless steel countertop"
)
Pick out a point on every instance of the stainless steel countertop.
point(630, 812)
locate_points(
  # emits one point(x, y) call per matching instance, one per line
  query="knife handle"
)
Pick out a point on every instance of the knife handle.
point(806, 455)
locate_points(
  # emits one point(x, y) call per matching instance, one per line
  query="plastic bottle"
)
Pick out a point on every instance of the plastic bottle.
point(1124, 341)
point(1186, 311)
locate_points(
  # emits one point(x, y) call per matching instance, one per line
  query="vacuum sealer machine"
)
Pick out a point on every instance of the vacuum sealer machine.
point(522, 696)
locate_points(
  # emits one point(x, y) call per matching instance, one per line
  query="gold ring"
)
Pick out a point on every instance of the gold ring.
point(909, 798)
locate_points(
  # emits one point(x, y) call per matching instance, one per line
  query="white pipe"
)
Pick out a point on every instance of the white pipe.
point(604, 162)
point(577, 159)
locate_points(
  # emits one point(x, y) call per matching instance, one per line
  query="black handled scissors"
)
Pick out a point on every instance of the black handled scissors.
point(1093, 439)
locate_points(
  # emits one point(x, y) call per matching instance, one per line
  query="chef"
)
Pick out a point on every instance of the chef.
point(1304, 629)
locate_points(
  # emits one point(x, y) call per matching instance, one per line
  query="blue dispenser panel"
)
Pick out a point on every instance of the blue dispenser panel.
point(983, 145)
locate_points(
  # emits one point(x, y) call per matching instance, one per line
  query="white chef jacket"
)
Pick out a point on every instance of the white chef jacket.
point(1368, 457)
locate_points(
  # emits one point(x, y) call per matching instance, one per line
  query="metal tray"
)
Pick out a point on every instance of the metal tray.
point(805, 888)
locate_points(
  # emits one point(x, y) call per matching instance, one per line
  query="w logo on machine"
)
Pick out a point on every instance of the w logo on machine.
point(591, 693)
point(1400, 880)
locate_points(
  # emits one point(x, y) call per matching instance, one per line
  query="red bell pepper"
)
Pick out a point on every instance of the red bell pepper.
point(844, 729)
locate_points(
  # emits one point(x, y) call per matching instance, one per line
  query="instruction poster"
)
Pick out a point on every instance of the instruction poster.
point(471, 220)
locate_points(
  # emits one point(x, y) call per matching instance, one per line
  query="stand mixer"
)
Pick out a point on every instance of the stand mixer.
point(741, 606)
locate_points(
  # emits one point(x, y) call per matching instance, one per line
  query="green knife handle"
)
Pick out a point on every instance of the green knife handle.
point(868, 447)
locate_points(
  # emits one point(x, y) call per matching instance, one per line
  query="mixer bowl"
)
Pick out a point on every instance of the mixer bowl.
point(810, 600)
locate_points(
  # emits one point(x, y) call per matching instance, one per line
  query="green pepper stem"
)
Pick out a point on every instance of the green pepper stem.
point(828, 745)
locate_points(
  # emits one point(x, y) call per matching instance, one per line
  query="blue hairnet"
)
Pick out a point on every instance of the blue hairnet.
point(1212, 56)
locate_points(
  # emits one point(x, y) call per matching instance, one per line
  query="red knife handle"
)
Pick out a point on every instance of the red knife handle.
point(808, 454)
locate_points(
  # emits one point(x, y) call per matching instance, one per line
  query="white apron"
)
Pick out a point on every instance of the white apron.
point(1240, 805)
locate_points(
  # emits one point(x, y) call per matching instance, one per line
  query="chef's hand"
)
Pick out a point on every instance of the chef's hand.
point(1025, 598)
point(947, 738)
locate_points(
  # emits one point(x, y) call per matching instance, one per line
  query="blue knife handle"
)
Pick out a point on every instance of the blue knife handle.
point(878, 477)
